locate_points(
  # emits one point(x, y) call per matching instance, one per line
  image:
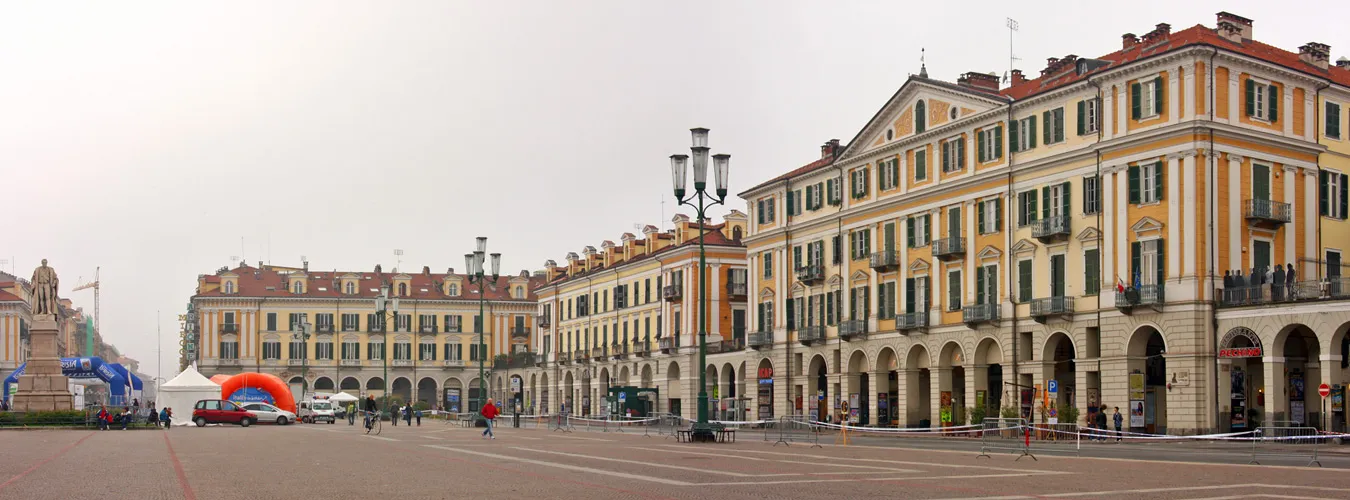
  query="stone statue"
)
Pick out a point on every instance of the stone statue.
point(45, 284)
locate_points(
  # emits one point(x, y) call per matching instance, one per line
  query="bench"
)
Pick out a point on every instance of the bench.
point(684, 435)
point(725, 435)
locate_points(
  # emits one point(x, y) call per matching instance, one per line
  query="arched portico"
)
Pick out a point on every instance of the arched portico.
point(918, 388)
point(887, 378)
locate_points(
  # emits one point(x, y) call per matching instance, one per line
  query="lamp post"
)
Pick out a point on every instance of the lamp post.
point(303, 335)
point(700, 201)
point(383, 304)
point(473, 262)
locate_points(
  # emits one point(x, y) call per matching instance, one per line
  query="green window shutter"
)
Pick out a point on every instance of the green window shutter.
point(954, 290)
point(1012, 134)
point(998, 143)
point(1045, 202)
point(998, 215)
point(759, 212)
point(909, 231)
point(1333, 128)
point(1134, 262)
point(1047, 127)
point(1031, 211)
point(889, 242)
point(1158, 181)
point(1260, 182)
point(979, 147)
point(1162, 261)
point(791, 199)
point(961, 153)
point(1323, 193)
point(1159, 97)
point(1024, 281)
point(796, 257)
point(1344, 198)
point(1059, 124)
point(928, 219)
point(1251, 97)
point(979, 217)
point(992, 279)
point(1136, 93)
point(1082, 115)
point(867, 180)
point(1092, 272)
point(1065, 205)
point(1031, 132)
point(1274, 108)
point(920, 117)
point(909, 295)
point(979, 285)
point(1134, 184)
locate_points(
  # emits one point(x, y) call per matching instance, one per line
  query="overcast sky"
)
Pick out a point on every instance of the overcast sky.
point(151, 138)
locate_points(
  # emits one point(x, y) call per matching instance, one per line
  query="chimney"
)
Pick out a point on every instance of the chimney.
point(450, 271)
point(1343, 63)
point(1017, 77)
point(1128, 41)
point(829, 149)
point(1234, 27)
point(426, 270)
point(305, 265)
point(1316, 54)
point(977, 80)
point(377, 269)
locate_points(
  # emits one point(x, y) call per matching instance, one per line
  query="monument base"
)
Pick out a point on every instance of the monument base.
point(42, 387)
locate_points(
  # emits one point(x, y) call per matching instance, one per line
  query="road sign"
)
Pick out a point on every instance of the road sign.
point(1324, 390)
point(623, 396)
point(1052, 386)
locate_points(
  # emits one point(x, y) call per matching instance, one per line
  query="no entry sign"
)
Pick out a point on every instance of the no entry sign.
point(1324, 390)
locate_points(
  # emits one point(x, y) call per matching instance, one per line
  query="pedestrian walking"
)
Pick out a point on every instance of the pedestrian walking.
point(418, 414)
point(351, 413)
point(166, 417)
point(407, 414)
point(393, 416)
point(489, 412)
point(1119, 420)
point(1101, 425)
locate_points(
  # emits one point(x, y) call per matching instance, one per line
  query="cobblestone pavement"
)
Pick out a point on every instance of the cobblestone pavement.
point(440, 461)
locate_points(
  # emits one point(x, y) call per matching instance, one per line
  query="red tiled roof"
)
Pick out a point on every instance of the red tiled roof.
point(256, 285)
point(1193, 36)
point(9, 297)
point(802, 170)
point(713, 237)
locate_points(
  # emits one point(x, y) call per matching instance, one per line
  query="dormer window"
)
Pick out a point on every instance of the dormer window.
point(920, 117)
point(351, 288)
point(452, 290)
point(520, 292)
point(403, 289)
point(299, 288)
point(229, 287)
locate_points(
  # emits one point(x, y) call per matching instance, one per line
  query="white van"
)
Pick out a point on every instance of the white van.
point(316, 410)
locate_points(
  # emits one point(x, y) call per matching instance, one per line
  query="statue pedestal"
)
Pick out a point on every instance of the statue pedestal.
point(42, 387)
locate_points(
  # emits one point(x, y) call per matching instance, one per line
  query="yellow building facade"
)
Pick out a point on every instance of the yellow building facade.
point(626, 314)
point(248, 315)
point(1063, 242)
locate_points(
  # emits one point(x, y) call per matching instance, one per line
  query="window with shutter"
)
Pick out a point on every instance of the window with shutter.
point(1332, 128)
point(1136, 98)
point(1133, 173)
point(921, 165)
point(1092, 272)
point(1014, 137)
point(1273, 95)
point(1024, 280)
point(1091, 193)
point(920, 117)
point(791, 198)
point(954, 291)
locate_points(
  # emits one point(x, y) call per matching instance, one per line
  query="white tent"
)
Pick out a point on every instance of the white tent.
point(183, 392)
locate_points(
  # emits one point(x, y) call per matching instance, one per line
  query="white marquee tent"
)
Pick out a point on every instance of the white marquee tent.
point(183, 392)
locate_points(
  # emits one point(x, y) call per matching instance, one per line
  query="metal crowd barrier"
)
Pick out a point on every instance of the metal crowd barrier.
point(1012, 435)
point(1296, 442)
point(797, 429)
point(560, 422)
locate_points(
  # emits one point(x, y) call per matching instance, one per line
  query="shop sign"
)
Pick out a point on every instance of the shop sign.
point(1252, 350)
point(1240, 352)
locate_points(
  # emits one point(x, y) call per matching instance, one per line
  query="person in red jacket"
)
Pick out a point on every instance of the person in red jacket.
point(488, 412)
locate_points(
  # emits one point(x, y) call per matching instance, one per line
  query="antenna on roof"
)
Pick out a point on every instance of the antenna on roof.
point(1012, 27)
point(234, 259)
point(923, 68)
point(398, 254)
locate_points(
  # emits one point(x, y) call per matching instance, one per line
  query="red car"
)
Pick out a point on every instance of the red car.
point(218, 411)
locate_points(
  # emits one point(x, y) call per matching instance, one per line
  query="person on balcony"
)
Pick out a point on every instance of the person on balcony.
point(1289, 280)
point(1277, 284)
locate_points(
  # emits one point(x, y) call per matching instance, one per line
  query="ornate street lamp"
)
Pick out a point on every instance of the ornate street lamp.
point(302, 329)
point(473, 262)
point(700, 201)
point(383, 304)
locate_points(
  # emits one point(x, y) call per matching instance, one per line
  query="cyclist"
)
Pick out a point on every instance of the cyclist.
point(371, 412)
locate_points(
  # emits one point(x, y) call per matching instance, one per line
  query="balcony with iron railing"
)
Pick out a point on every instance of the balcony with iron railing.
point(229, 328)
point(666, 344)
point(1046, 307)
point(427, 329)
point(598, 352)
point(542, 320)
point(853, 329)
point(296, 362)
point(737, 290)
point(811, 334)
point(885, 260)
point(375, 329)
point(1268, 213)
point(911, 321)
point(715, 346)
point(1151, 296)
point(619, 350)
point(809, 274)
point(564, 358)
point(980, 313)
point(1050, 229)
point(453, 363)
point(642, 348)
point(759, 340)
point(673, 293)
point(734, 344)
point(1336, 288)
point(228, 362)
point(581, 355)
point(401, 362)
point(520, 332)
point(350, 362)
point(949, 248)
point(453, 328)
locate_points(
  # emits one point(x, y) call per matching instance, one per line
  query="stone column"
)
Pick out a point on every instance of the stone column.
point(939, 380)
point(1277, 400)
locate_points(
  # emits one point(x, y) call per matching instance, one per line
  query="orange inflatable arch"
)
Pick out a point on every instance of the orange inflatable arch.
point(271, 384)
point(220, 379)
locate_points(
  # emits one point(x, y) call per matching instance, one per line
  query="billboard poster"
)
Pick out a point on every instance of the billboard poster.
point(1136, 386)
point(945, 413)
point(452, 400)
point(853, 408)
point(1338, 398)
point(1296, 412)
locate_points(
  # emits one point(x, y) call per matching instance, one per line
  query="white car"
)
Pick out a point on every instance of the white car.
point(267, 413)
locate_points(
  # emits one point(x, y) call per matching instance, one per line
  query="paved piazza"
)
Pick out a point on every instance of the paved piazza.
point(439, 461)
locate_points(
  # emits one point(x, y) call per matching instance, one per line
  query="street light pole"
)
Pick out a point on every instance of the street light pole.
point(473, 262)
point(700, 201)
point(382, 305)
point(303, 335)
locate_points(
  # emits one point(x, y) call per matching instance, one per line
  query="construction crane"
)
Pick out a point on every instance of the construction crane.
point(89, 338)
